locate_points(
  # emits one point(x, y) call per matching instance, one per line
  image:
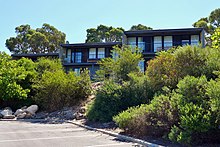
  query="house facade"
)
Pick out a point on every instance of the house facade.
point(85, 55)
point(79, 56)
point(152, 41)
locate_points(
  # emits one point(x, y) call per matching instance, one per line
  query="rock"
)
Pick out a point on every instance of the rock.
point(32, 109)
point(21, 115)
point(6, 111)
point(18, 112)
point(68, 115)
point(28, 115)
point(78, 116)
point(8, 116)
point(82, 110)
point(24, 107)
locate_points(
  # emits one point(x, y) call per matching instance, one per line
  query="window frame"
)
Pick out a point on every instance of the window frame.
point(92, 55)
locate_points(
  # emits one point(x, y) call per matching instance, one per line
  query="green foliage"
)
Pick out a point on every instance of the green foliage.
point(47, 64)
point(42, 40)
point(216, 38)
point(125, 60)
point(214, 18)
point(162, 71)
point(202, 23)
point(213, 92)
point(104, 34)
point(186, 115)
point(107, 103)
point(195, 117)
point(15, 77)
point(190, 60)
point(140, 27)
point(155, 118)
point(58, 89)
point(168, 68)
point(114, 98)
point(193, 90)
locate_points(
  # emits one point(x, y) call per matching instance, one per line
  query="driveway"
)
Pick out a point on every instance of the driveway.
point(35, 134)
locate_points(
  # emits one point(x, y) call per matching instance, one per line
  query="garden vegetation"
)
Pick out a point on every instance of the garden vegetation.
point(177, 98)
point(44, 82)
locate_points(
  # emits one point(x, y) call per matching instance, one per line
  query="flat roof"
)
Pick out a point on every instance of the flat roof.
point(35, 55)
point(90, 45)
point(164, 31)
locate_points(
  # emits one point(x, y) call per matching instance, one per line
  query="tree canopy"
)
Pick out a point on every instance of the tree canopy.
point(209, 23)
point(125, 60)
point(104, 34)
point(110, 34)
point(216, 38)
point(41, 40)
point(140, 27)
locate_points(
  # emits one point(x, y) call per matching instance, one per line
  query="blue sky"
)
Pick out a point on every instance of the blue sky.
point(73, 17)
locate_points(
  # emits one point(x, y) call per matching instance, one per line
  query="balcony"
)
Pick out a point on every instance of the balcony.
point(155, 47)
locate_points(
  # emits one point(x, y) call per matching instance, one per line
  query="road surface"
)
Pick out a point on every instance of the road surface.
point(29, 134)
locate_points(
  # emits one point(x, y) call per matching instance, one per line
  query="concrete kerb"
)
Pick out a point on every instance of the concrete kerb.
point(119, 136)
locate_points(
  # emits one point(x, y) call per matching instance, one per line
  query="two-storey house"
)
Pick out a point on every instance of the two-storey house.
point(86, 55)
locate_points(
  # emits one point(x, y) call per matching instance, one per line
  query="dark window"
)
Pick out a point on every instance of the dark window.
point(78, 57)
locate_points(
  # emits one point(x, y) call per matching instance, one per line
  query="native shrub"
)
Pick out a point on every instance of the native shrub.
point(58, 89)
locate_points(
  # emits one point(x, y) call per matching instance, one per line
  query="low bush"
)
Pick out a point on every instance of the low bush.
point(168, 68)
point(58, 89)
point(185, 115)
point(16, 77)
point(114, 98)
point(155, 118)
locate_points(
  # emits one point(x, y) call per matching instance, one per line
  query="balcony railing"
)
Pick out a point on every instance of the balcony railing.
point(154, 47)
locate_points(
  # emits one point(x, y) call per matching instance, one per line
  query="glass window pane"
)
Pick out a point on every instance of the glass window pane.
point(141, 44)
point(185, 42)
point(157, 43)
point(132, 41)
point(77, 71)
point(78, 57)
point(92, 53)
point(141, 65)
point(101, 52)
point(194, 39)
point(168, 42)
point(73, 57)
point(68, 56)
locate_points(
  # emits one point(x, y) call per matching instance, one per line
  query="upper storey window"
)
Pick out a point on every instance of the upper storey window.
point(95, 53)
point(101, 53)
point(141, 43)
point(78, 57)
point(194, 39)
point(168, 42)
point(92, 53)
point(68, 58)
point(157, 43)
point(132, 41)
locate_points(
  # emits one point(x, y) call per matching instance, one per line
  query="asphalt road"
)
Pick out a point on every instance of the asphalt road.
point(29, 134)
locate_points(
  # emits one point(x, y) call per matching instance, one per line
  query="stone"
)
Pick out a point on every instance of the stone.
point(24, 107)
point(18, 112)
point(28, 115)
point(82, 110)
point(6, 111)
point(21, 115)
point(68, 115)
point(8, 116)
point(78, 116)
point(32, 109)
